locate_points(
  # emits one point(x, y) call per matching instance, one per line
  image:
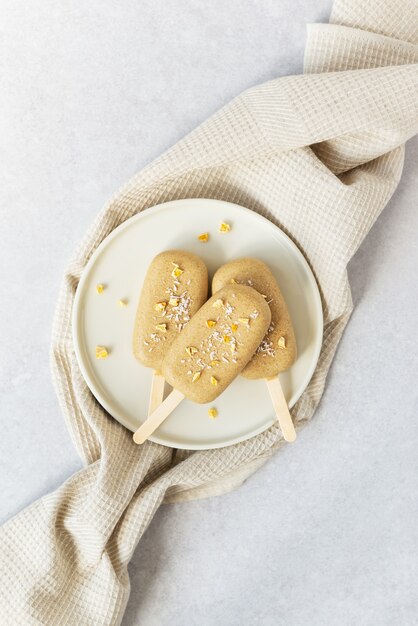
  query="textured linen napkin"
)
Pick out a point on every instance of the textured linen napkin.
point(320, 155)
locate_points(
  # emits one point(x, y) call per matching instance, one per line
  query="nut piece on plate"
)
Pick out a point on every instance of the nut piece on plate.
point(101, 352)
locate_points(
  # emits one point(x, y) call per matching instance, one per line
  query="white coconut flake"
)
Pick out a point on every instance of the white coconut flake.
point(266, 348)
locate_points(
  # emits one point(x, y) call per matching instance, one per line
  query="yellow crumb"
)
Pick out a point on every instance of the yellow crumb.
point(161, 327)
point(224, 227)
point(196, 377)
point(100, 288)
point(122, 302)
point(233, 281)
point(204, 237)
point(213, 413)
point(101, 352)
point(213, 363)
point(177, 271)
point(160, 306)
point(173, 301)
point(210, 323)
point(227, 339)
point(217, 304)
point(213, 380)
point(244, 320)
point(282, 342)
point(191, 350)
point(234, 327)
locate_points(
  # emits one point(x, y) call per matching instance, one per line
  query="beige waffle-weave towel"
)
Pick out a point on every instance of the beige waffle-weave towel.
point(320, 155)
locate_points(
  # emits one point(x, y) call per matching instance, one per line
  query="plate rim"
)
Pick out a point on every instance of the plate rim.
point(76, 330)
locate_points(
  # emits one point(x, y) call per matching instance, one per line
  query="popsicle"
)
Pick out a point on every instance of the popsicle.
point(175, 287)
point(277, 351)
point(212, 350)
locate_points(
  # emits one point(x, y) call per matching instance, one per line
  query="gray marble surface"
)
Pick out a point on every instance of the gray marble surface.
point(326, 533)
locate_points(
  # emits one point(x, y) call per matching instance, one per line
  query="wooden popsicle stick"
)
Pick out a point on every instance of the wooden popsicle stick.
point(281, 409)
point(159, 415)
point(157, 392)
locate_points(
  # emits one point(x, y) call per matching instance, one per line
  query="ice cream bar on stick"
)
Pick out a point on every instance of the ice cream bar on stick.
point(175, 287)
point(277, 351)
point(212, 350)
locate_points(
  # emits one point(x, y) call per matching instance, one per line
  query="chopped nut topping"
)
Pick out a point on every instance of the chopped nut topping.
point(266, 348)
point(177, 271)
point(233, 281)
point(122, 303)
point(191, 350)
point(101, 352)
point(196, 377)
point(100, 288)
point(210, 323)
point(160, 306)
point(217, 304)
point(234, 327)
point(282, 342)
point(213, 381)
point(214, 363)
point(213, 413)
point(224, 227)
point(244, 320)
point(227, 339)
point(161, 327)
point(203, 237)
point(179, 313)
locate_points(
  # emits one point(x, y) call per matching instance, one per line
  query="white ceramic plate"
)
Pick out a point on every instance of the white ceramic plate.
point(121, 384)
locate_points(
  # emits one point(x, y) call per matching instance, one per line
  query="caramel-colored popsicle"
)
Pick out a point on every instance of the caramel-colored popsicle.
point(217, 345)
point(212, 350)
point(277, 351)
point(175, 287)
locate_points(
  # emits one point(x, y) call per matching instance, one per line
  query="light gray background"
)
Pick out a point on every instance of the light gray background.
point(326, 533)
